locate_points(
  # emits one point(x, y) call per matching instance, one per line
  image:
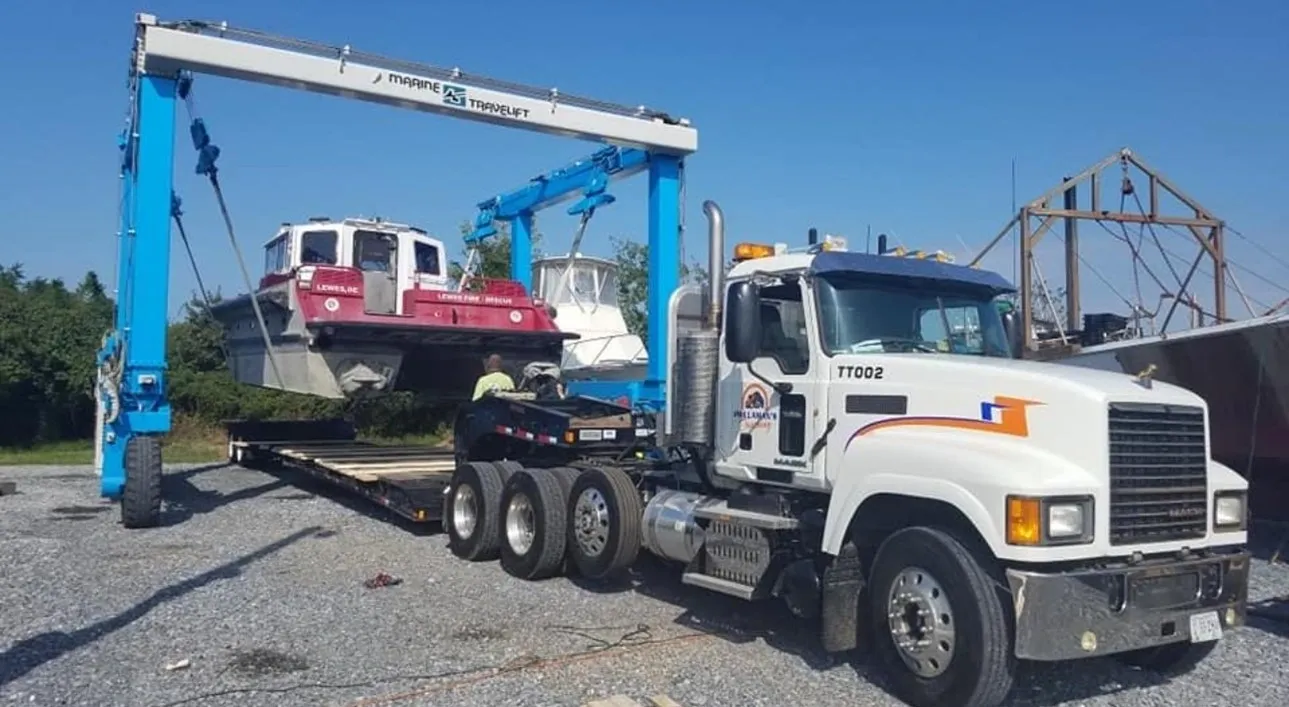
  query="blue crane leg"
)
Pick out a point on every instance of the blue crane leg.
point(142, 300)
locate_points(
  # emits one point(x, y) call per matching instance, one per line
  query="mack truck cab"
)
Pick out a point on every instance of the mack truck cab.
point(856, 435)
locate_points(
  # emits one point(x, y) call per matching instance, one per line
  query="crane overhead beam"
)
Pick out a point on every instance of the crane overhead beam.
point(217, 49)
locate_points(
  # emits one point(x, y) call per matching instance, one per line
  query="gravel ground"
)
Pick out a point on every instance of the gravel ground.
point(259, 584)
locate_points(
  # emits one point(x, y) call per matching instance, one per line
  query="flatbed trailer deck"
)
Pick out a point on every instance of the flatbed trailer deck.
point(407, 479)
point(411, 480)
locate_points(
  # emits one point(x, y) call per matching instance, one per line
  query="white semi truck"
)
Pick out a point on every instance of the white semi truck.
point(856, 435)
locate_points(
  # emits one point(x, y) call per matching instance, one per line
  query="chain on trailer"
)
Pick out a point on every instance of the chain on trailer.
point(207, 155)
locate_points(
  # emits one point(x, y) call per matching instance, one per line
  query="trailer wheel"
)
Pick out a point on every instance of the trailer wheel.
point(940, 628)
point(470, 514)
point(141, 497)
point(532, 506)
point(604, 522)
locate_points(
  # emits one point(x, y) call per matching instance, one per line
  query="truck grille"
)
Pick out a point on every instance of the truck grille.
point(1158, 473)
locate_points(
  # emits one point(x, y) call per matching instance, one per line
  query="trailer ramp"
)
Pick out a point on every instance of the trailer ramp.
point(408, 480)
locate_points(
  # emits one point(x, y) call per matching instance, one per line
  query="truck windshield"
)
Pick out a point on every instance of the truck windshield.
point(876, 315)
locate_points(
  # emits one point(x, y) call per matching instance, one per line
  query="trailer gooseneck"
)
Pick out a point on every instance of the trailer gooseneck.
point(854, 434)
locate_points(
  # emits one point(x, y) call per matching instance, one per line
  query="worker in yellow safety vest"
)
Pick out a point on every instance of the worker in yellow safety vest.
point(494, 378)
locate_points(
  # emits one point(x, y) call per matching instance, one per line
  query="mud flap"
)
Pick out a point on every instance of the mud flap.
point(843, 582)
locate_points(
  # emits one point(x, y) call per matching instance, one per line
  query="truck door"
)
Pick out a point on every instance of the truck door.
point(778, 424)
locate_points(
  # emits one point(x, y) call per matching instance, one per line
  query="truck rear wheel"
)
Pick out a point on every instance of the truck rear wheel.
point(471, 512)
point(939, 626)
point(604, 522)
point(533, 511)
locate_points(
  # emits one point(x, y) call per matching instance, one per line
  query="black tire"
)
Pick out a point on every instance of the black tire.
point(1170, 660)
point(616, 522)
point(141, 497)
point(484, 482)
point(545, 494)
point(506, 468)
point(982, 665)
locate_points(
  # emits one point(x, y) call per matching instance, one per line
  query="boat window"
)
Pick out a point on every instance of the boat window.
point(583, 284)
point(318, 248)
point(427, 259)
point(275, 255)
point(373, 251)
point(609, 287)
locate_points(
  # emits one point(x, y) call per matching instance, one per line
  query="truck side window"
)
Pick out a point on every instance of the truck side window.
point(783, 328)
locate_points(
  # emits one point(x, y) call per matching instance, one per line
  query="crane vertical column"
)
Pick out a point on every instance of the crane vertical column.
point(521, 250)
point(139, 344)
point(664, 265)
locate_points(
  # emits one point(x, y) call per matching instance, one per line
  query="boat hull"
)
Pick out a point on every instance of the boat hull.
point(326, 346)
point(1242, 371)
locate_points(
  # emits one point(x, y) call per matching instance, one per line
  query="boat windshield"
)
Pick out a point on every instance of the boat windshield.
point(318, 248)
point(867, 314)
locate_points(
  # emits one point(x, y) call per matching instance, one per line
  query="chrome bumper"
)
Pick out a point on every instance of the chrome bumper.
point(1080, 614)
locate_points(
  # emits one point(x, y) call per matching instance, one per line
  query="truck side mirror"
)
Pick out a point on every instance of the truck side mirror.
point(742, 321)
point(1015, 337)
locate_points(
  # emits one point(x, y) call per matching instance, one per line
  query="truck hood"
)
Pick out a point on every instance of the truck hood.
point(1098, 385)
point(999, 403)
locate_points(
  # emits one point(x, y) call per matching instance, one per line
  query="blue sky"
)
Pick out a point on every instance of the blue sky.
point(900, 116)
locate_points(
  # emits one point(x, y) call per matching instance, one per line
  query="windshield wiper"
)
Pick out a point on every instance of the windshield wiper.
point(883, 341)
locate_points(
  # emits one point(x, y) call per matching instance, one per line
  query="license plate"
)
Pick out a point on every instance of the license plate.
point(1205, 627)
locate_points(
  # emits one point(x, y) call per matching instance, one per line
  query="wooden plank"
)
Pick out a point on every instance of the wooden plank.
point(624, 701)
point(615, 701)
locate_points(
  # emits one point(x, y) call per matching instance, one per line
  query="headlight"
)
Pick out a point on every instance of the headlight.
point(1049, 521)
point(1064, 520)
point(1229, 510)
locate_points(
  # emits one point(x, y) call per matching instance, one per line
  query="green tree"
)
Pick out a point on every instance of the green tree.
point(46, 378)
point(633, 281)
point(493, 260)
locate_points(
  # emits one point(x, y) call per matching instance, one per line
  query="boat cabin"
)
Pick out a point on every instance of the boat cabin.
point(583, 291)
point(392, 258)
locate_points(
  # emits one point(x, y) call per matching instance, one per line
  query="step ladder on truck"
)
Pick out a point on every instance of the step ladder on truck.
point(856, 435)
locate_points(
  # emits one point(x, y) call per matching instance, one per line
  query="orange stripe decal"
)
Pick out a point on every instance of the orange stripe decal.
point(1005, 416)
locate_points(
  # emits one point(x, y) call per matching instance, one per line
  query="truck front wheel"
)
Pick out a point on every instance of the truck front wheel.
point(939, 626)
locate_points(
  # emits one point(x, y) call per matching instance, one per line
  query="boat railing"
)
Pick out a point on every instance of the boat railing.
point(601, 344)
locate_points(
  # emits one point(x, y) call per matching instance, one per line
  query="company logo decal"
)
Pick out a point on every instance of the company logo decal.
point(754, 409)
point(1003, 415)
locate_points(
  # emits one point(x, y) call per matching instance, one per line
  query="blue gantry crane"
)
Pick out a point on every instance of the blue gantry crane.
point(134, 411)
point(587, 180)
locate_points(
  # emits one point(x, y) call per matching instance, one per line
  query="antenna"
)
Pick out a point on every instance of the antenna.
point(1016, 253)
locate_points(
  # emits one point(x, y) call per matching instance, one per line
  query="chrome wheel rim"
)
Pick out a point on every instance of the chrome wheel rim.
point(465, 511)
point(521, 524)
point(591, 522)
point(921, 622)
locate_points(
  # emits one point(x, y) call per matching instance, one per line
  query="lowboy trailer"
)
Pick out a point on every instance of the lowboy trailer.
point(411, 480)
